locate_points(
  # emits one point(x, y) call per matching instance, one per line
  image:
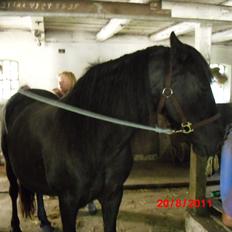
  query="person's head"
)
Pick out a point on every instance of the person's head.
point(66, 81)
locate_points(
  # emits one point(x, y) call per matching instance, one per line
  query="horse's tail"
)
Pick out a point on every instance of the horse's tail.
point(26, 196)
point(27, 201)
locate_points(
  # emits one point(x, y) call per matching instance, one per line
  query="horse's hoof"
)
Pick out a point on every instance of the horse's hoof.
point(47, 228)
point(92, 208)
point(15, 230)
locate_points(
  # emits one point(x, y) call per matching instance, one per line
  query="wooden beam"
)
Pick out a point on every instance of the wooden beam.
point(198, 11)
point(185, 27)
point(227, 3)
point(197, 179)
point(179, 29)
point(111, 28)
point(115, 25)
point(83, 9)
point(222, 36)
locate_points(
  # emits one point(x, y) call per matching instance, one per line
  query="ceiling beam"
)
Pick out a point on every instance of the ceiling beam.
point(227, 3)
point(198, 11)
point(111, 28)
point(222, 36)
point(38, 29)
point(185, 27)
point(115, 25)
point(83, 8)
point(179, 29)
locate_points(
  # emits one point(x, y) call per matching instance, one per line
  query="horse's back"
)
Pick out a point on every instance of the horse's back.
point(18, 102)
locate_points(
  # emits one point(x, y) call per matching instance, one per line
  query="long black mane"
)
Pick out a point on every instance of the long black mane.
point(118, 88)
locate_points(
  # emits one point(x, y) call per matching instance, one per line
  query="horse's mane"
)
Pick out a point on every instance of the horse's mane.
point(201, 65)
point(118, 88)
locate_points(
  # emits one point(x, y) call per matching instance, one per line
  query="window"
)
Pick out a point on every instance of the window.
point(221, 82)
point(9, 79)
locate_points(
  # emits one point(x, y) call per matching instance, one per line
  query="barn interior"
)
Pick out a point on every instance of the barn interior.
point(39, 39)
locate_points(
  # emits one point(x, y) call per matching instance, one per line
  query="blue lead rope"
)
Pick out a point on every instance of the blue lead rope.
point(92, 114)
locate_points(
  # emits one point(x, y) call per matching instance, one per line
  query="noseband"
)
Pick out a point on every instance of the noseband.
point(186, 126)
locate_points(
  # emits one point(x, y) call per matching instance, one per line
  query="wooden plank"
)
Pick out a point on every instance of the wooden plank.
point(195, 223)
point(197, 185)
point(83, 9)
point(219, 222)
point(217, 205)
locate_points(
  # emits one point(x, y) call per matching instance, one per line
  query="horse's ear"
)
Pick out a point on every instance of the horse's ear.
point(177, 47)
point(174, 41)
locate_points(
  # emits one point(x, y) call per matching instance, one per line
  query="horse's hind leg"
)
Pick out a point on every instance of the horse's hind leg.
point(44, 223)
point(13, 191)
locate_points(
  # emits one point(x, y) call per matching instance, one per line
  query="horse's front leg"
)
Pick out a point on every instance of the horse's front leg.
point(44, 223)
point(68, 208)
point(115, 175)
point(110, 207)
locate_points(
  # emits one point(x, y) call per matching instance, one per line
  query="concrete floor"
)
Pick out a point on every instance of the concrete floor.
point(138, 211)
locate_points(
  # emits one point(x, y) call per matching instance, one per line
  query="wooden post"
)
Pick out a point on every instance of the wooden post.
point(197, 181)
point(203, 39)
point(197, 178)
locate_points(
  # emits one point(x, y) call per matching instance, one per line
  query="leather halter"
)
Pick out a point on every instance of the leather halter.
point(186, 126)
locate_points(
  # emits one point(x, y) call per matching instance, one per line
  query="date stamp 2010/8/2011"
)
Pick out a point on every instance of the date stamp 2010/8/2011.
point(182, 203)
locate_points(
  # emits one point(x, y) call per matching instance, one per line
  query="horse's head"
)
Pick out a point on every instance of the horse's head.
point(189, 78)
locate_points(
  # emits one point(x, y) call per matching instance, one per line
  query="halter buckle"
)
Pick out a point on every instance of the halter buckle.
point(187, 127)
point(167, 92)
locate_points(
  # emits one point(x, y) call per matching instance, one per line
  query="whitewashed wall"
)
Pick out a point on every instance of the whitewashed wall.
point(39, 66)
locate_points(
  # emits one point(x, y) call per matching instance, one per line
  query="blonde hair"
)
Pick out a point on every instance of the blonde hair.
point(70, 76)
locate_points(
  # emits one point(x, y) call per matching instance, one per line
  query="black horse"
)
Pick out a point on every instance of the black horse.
point(52, 151)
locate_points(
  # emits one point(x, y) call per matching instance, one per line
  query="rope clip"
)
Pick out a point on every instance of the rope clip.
point(186, 128)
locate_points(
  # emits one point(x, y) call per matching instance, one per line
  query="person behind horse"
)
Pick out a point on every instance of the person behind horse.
point(226, 177)
point(66, 81)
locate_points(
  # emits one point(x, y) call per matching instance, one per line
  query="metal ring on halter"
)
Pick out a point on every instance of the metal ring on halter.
point(187, 127)
point(167, 92)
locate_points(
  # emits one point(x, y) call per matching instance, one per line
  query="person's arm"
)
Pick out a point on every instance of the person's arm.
point(57, 92)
